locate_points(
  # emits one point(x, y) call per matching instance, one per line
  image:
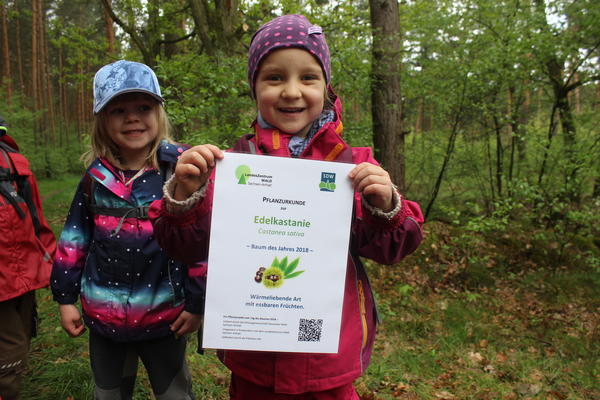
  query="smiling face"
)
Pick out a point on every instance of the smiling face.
point(132, 125)
point(290, 90)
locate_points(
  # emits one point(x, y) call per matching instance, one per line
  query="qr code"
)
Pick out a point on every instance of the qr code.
point(310, 330)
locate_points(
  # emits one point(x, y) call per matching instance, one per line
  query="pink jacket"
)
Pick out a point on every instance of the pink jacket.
point(185, 236)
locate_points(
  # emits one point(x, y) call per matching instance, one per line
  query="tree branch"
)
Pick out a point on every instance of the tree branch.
point(575, 85)
point(171, 41)
point(128, 29)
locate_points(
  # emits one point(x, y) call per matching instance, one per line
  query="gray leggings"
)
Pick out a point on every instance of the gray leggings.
point(114, 365)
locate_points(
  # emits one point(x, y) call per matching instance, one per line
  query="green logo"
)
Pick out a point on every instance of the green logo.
point(242, 173)
point(273, 276)
point(327, 182)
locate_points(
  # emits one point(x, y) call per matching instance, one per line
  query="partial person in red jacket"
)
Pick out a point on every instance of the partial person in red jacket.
point(27, 245)
point(298, 116)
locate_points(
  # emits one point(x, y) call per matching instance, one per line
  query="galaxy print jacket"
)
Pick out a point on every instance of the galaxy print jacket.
point(130, 290)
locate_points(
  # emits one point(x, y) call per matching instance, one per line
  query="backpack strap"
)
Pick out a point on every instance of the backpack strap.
point(138, 212)
point(245, 145)
point(7, 190)
point(23, 191)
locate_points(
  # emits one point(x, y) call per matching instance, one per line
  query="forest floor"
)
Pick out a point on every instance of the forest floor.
point(494, 323)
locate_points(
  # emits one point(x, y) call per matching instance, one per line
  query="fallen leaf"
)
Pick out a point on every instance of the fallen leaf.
point(476, 358)
point(528, 389)
point(489, 369)
point(536, 375)
point(557, 395)
point(501, 358)
point(408, 396)
point(401, 387)
point(444, 395)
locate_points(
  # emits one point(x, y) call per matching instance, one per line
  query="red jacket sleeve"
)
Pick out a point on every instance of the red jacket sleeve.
point(184, 237)
point(385, 241)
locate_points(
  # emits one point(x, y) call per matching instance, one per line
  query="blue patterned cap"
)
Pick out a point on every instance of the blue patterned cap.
point(124, 77)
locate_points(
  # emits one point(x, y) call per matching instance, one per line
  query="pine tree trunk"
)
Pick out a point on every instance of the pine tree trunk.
point(20, 56)
point(47, 81)
point(6, 73)
point(110, 31)
point(34, 65)
point(385, 88)
point(80, 103)
point(62, 95)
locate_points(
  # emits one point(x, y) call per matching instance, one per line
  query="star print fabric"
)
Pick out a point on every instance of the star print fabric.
point(129, 288)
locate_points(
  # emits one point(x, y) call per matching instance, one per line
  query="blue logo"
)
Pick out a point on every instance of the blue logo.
point(327, 182)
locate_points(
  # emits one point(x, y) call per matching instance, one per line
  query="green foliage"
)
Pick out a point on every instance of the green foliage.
point(530, 334)
point(207, 98)
point(45, 159)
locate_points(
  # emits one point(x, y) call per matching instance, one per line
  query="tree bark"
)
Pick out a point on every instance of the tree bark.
point(50, 127)
point(62, 90)
point(110, 31)
point(6, 72)
point(218, 29)
point(499, 155)
point(19, 55)
point(35, 6)
point(80, 103)
point(386, 107)
point(561, 86)
point(228, 17)
point(200, 16)
point(144, 48)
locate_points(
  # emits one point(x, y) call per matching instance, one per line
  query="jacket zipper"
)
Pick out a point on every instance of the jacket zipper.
point(363, 312)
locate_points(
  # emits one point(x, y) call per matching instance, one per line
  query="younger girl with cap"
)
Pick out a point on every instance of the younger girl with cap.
point(298, 116)
point(136, 301)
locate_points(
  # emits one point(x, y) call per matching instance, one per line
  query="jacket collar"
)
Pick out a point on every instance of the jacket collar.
point(327, 144)
point(107, 175)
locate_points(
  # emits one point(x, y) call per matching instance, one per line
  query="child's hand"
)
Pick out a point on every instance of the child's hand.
point(70, 319)
point(186, 323)
point(374, 183)
point(193, 169)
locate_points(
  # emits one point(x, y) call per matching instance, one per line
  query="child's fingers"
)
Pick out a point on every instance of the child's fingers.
point(361, 169)
point(189, 323)
point(366, 174)
point(374, 183)
point(74, 328)
point(364, 170)
point(79, 329)
point(177, 324)
point(361, 184)
point(183, 329)
point(197, 160)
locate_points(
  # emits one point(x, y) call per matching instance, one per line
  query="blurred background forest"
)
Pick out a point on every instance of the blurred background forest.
point(497, 99)
point(486, 112)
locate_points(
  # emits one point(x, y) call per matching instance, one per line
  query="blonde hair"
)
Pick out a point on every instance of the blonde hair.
point(102, 145)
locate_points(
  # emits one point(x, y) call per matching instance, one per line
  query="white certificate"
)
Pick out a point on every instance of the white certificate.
point(278, 251)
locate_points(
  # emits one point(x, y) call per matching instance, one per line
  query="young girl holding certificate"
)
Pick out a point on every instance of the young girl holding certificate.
point(298, 116)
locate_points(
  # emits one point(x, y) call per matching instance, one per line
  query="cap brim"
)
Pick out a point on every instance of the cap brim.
point(100, 106)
